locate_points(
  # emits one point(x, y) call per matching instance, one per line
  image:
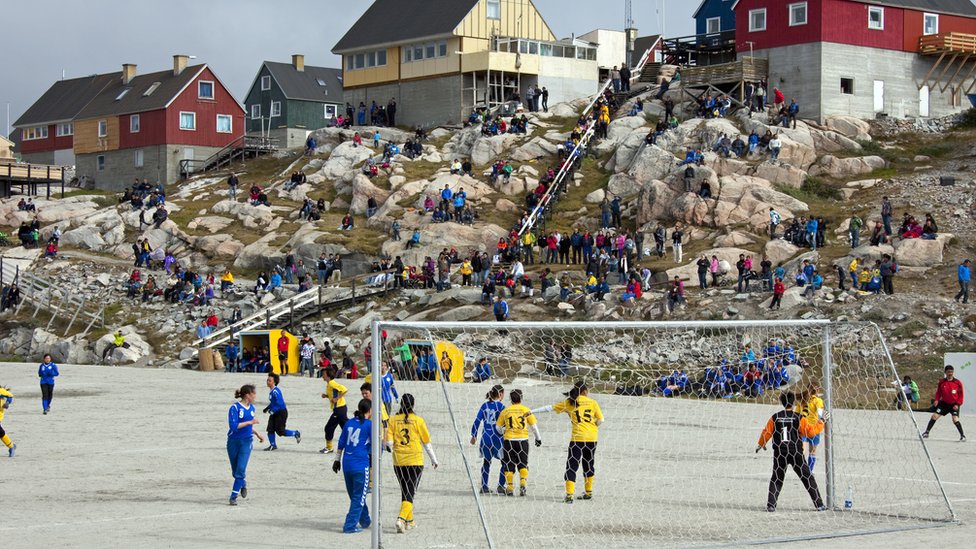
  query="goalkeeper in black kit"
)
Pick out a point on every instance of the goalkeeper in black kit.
point(786, 429)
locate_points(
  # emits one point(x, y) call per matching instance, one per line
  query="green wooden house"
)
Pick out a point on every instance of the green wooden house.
point(287, 101)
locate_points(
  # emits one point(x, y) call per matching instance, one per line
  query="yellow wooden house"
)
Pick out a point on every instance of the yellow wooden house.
point(439, 59)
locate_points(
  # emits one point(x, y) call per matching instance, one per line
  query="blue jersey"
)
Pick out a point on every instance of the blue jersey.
point(488, 414)
point(47, 372)
point(276, 402)
point(354, 442)
point(388, 391)
point(238, 414)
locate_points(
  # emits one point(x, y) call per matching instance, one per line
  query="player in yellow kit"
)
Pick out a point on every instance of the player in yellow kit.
point(336, 393)
point(408, 438)
point(812, 408)
point(6, 397)
point(514, 424)
point(585, 415)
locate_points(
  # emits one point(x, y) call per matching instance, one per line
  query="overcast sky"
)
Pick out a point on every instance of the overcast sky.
point(83, 37)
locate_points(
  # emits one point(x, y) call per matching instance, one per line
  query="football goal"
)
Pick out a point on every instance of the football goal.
point(649, 434)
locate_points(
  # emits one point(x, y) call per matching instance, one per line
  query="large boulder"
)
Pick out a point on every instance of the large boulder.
point(744, 199)
point(854, 128)
point(260, 254)
point(88, 237)
point(251, 216)
point(831, 141)
point(137, 348)
point(488, 149)
point(620, 130)
point(463, 313)
point(533, 150)
point(779, 251)
point(652, 163)
point(362, 190)
point(783, 174)
point(832, 166)
point(792, 298)
point(438, 236)
point(917, 252)
point(689, 271)
point(343, 159)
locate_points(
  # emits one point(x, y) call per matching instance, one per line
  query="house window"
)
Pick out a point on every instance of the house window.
point(137, 158)
point(330, 112)
point(276, 108)
point(367, 60)
point(255, 111)
point(205, 89)
point(38, 132)
point(713, 25)
point(757, 20)
point(847, 86)
point(494, 9)
point(121, 95)
point(134, 123)
point(407, 55)
point(798, 14)
point(265, 83)
point(442, 49)
point(102, 128)
point(151, 89)
point(188, 120)
point(875, 17)
point(100, 162)
point(381, 58)
point(430, 51)
point(66, 129)
point(225, 123)
point(931, 24)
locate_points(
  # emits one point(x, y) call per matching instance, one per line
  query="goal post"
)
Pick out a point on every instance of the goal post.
point(676, 462)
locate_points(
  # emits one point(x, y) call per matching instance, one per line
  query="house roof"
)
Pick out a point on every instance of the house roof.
point(65, 99)
point(109, 103)
point(700, 6)
point(395, 21)
point(951, 7)
point(304, 85)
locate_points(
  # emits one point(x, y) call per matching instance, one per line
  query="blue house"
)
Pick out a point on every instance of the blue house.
point(714, 16)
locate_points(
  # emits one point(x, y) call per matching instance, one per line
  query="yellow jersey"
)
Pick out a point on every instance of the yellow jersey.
point(515, 423)
point(584, 417)
point(813, 409)
point(4, 394)
point(407, 436)
point(336, 391)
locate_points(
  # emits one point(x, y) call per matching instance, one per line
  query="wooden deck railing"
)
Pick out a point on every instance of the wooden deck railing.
point(747, 69)
point(947, 42)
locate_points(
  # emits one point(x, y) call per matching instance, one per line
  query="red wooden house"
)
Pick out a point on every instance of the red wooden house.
point(153, 126)
point(864, 58)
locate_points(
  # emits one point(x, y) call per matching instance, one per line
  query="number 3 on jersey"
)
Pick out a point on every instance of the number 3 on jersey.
point(404, 437)
point(515, 422)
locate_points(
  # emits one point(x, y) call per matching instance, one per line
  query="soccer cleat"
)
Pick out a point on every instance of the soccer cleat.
point(962, 439)
point(501, 490)
point(770, 509)
point(244, 492)
point(10, 452)
point(326, 451)
point(925, 434)
point(411, 525)
point(569, 498)
point(270, 448)
point(233, 501)
point(45, 411)
point(509, 493)
point(401, 526)
point(822, 508)
point(298, 437)
point(586, 496)
point(485, 490)
point(353, 531)
point(522, 491)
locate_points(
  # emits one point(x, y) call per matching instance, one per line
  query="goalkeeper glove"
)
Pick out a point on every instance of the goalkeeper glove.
point(538, 442)
point(266, 409)
point(826, 416)
point(759, 448)
point(336, 466)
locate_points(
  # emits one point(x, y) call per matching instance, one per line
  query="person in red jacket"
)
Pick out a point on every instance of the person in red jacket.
point(778, 290)
point(283, 344)
point(948, 400)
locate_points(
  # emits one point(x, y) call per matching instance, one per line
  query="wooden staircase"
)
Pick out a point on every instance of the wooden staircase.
point(243, 147)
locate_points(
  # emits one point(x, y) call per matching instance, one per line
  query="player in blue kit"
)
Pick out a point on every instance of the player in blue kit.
point(241, 420)
point(352, 458)
point(279, 414)
point(491, 442)
point(47, 371)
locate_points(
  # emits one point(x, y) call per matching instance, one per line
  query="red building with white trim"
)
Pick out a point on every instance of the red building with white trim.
point(864, 58)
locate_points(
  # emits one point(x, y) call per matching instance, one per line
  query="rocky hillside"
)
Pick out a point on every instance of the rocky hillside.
point(835, 170)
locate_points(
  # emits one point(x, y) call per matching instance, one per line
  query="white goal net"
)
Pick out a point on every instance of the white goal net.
point(676, 462)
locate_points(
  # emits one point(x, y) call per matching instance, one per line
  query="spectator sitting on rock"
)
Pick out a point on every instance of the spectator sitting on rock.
point(261, 283)
point(911, 229)
point(930, 230)
point(816, 282)
point(878, 235)
point(705, 190)
point(159, 216)
point(347, 223)
point(738, 147)
point(676, 293)
point(414, 240)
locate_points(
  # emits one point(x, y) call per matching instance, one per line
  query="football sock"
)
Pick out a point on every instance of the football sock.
point(570, 487)
point(959, 428)
point(523, 476)
point(6, 441)
point(406, 510)
point(485, 472)
point(271, 439)
point(811, 460)
point(508, 479)
point(931, 424)
point(588, 484)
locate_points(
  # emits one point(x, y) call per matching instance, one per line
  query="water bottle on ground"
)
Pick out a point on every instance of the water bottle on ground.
point(849, 502)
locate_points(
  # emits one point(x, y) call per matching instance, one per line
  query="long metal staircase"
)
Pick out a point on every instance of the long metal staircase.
point(53, 298)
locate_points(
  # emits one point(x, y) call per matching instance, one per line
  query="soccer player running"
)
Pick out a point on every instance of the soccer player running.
point(47, 371)
point(352, 458)
point(948, 400)
point(335, 392)
point(813, 409)
point(515, 422)
point(241, 420)
point(586, 418)
point(279, 414)
point(405, 435)
point(785, 428)
point(6, 398)
point(491, 442)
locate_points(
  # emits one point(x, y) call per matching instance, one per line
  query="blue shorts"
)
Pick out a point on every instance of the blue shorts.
point(812, 440)
point(489, 452)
